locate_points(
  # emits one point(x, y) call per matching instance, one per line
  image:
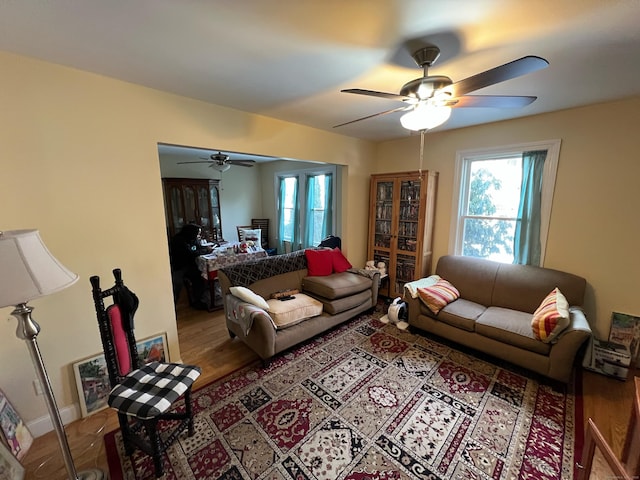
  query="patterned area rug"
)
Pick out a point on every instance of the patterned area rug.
point(368, 401)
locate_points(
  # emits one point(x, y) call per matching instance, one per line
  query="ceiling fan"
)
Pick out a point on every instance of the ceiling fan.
point(222, 162)
point(429, 99)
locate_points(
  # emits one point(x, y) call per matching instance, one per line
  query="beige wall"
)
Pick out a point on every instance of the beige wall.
point(594, 228)
point(80, 163)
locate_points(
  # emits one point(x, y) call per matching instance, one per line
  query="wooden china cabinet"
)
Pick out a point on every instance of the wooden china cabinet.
point(402, 207)
point(192, 200)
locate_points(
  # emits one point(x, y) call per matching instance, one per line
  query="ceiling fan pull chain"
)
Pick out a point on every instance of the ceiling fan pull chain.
point(422, 132)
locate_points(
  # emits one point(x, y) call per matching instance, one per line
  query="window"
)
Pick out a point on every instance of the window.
point(305, 207)
point(289, 193)
point(491, 215)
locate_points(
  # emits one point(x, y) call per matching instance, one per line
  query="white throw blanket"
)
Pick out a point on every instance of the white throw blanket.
point(412, 287)
point(243, 313)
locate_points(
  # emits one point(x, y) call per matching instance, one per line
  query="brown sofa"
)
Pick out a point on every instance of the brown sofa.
point(495, 309)
point(343, 296)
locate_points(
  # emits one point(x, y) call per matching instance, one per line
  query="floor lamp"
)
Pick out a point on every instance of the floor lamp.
point(28, 271)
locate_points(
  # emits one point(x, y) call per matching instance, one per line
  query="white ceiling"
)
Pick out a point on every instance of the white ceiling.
point(289, 59)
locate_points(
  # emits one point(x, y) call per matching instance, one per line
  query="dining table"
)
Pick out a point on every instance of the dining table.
point(221, 257)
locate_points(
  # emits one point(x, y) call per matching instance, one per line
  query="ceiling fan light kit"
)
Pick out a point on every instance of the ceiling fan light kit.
point(425, 117)
point(221, 168)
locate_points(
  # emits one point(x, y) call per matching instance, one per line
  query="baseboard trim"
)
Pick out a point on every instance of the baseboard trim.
point(42, 425)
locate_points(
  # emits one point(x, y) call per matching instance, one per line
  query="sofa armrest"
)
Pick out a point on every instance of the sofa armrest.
point(261, 338)
point(413, 307)
point(563, 352)
point(375, 287)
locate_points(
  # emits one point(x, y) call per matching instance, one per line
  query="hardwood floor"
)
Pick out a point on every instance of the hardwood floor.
point(204, 341)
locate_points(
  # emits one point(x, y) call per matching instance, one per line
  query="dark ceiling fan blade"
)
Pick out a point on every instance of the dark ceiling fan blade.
point(399, 109)
point(510, 70)
point(492, 101)
point(184, 163)
point(241, 163)
point(373, 93)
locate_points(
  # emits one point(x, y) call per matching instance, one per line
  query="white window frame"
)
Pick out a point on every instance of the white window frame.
point(302, 175)
point(464, 158)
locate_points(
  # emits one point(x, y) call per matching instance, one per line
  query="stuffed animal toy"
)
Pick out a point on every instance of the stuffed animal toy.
point(382, 268)
point(370, 265)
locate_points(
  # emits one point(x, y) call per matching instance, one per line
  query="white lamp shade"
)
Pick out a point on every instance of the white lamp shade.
point(425, 117)
point(27, 268)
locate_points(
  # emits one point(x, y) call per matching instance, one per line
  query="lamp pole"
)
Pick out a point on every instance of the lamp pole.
point(28, 331)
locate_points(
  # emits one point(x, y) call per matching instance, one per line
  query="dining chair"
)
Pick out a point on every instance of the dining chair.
point(598, 460)
point(142, 394)
point(263, 225)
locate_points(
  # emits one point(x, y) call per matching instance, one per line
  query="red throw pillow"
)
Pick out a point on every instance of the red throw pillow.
point(340, 263)
point(319, 262)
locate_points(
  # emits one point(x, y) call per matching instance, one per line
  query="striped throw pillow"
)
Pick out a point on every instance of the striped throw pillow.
point(438, 295)
point(551, 317)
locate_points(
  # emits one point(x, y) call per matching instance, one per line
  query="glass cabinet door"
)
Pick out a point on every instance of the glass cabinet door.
point(384, 215)
point(215, 214)
point(190, 205)
point(203, 208)
point(177, 211)
point(408, 215)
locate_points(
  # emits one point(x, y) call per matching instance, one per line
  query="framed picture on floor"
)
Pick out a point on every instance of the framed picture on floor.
point(92, 378)
point(10, 468)
point(15, 434)
point(92, 381)
point(152, 349)
point(625, 329)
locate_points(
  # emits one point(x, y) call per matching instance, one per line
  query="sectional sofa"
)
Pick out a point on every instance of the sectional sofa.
point(322, 301)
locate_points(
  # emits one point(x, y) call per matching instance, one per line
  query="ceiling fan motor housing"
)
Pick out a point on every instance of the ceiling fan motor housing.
point(219, 157)
point(424, 87)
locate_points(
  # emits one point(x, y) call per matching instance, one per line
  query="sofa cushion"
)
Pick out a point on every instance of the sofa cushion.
point(438, 295)
point(461, 313)
point(512, 327)
point(551, 317)
point(522, 287)
point(290, 312)
point(473, 277)
point(319, 262)
point(339, 305)
point(337, 285)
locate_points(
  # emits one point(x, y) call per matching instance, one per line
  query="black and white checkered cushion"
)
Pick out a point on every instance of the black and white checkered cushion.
point(151, 390)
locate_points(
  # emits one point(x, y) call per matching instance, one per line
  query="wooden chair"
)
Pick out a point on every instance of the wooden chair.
point(143, 395)
point(631, 450)
point(595, 450)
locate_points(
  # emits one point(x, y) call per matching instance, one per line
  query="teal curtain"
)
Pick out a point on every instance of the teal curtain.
point(527, 246)
point(327, 224)
point(288, 223)
point(319, 219)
